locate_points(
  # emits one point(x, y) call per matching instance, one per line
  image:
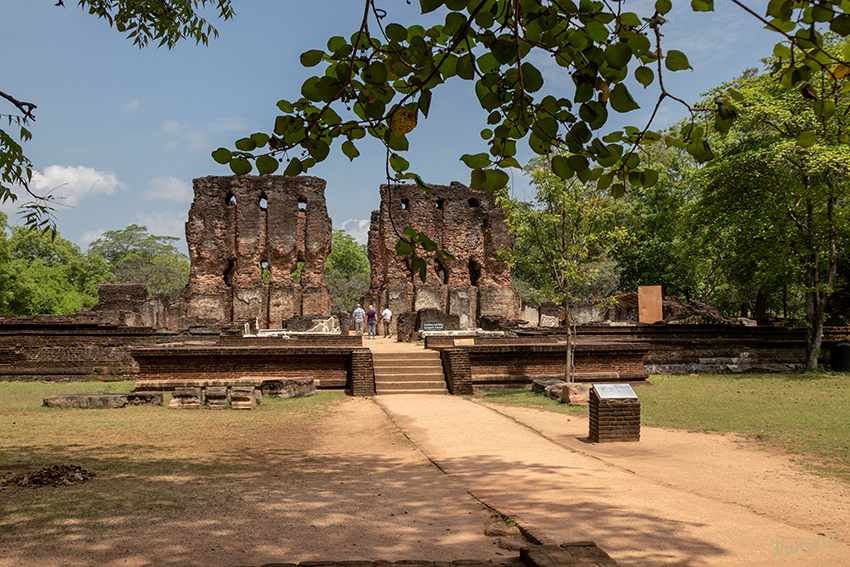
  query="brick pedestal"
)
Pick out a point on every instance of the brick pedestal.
point(613, 419)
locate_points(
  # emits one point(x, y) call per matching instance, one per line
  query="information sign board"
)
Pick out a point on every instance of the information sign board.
point(614, 391)
point(433, 326)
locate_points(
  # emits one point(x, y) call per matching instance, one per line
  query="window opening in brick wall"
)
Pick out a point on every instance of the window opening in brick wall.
point(302, 205)
point(264, 203)
point(267, 272)
point(405, 204)
point(228, 273)
point(439, 204)
point(473, 202)
point(474, 272)
point(231, 200)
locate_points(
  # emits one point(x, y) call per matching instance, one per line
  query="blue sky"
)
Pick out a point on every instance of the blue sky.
point(121, 132)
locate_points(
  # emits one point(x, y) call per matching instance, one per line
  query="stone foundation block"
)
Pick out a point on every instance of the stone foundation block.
point(185, 398)
point(243, 397)
point(216, 397)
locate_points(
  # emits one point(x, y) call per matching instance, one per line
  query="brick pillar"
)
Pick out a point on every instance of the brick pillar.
point(458, 371)
point(361, 375)
point(613, 419)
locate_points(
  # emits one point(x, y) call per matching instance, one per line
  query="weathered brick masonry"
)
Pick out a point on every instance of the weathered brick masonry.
point(66, 351)
point(516, 362)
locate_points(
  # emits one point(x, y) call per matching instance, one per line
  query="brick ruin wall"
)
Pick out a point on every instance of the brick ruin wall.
point(239, 226)
point(465, 223)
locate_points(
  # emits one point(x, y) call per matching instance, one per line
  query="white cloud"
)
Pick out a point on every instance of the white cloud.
point(89, 236)
point(170, 189)
point(70, 184)
point(130, 106)
point(183, 135)
point(164, 223)
point(358, 229)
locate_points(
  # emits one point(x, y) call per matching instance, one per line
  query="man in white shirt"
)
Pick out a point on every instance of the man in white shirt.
point(359, 320)
point(386, 317)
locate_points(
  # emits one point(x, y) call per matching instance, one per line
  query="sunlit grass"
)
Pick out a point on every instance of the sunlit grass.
point(805, 414)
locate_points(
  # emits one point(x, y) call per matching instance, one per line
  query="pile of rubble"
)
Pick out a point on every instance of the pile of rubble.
point(55, 475)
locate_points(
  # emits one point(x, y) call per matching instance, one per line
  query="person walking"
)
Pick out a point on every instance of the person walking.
point(386, 318)
point(371, 321)
point(359, 320)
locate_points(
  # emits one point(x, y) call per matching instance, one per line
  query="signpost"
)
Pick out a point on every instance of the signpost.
point(614, 413)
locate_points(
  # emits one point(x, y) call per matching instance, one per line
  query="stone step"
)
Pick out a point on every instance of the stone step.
point(411, 377)
point(407, 369)
point(438, 391)
point(411, 385)
point(406, 356)
point(403, 362)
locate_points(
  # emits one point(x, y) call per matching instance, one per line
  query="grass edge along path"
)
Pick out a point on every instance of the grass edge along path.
point(804, 414)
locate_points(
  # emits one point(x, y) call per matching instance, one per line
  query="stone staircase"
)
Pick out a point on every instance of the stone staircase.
point(408, 373)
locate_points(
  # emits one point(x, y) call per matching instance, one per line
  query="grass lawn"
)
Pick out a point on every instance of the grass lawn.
point(172, 458)
point(805, 414)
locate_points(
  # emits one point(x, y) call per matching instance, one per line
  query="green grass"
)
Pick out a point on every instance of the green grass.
point(158, 462)
point(805, 414)
point(529, 399)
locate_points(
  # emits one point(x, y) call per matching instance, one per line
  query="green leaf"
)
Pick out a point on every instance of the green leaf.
point(649, 178)
point(621, 99)
point(477, 161)
point(260, 139)
point(350, 150)
point(578, 163)
point(246, 144)
point(702, 5)
point(285, 106)
point(618, 190)
point(319, 149)
point(240, 166)
point(222, 156)
point(294, 168)
point(807, 139)
point(596, 31)
point(266, 165)
point(676, 61)
point(532, 80)
point(396, 32)
point(496, 179)
point(403, 247)
point(663, 6)
point(312, 58)
point(466, 67)
point(561, 167)
point(618, 55)
point(644, 76)
point(336, 43)
point(841, 25)
point(398, 163)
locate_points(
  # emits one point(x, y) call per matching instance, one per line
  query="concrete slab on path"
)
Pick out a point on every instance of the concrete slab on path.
point(562, 496)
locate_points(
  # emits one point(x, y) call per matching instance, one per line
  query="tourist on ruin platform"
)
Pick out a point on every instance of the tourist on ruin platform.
point(371, 321)
point(386, 317)
point(359, 320)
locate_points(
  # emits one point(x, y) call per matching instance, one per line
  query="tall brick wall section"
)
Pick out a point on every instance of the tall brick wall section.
point(466, 223)
point(458, 371)
point(240, 225)
point(362, 373)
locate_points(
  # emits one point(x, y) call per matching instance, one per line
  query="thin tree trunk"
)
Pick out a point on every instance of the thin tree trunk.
point(568, 370)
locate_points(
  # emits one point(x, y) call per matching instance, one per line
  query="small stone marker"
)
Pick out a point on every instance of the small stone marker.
point(288, 387)
point(614, 413)
point(216, 397)
point(243, 397)
point(185, 398)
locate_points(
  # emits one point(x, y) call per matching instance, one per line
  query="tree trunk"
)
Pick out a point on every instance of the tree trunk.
point(568, 366)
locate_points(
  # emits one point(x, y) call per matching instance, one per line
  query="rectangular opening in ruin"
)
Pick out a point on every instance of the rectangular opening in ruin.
point(405, 204)
point(302, 205)
point(439, 204)
point(473, 202)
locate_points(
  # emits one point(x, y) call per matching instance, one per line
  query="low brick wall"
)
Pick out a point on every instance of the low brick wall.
point(330, 367)
point(516, 363)
point(32, 350)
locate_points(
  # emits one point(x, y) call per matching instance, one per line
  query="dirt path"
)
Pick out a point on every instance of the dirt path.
point(350, 486)
point(673, 499)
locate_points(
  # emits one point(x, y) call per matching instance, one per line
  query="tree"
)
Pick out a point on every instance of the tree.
point(164, 22)
point(568, 228)
point(43, 274)
point(346, 272)
point(135, 256)
point(790, 164)
point(381, 80)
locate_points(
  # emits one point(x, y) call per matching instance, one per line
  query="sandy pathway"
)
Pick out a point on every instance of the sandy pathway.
point(564, 495)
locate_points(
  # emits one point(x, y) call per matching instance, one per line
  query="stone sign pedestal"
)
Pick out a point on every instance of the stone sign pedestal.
point(614, 413)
